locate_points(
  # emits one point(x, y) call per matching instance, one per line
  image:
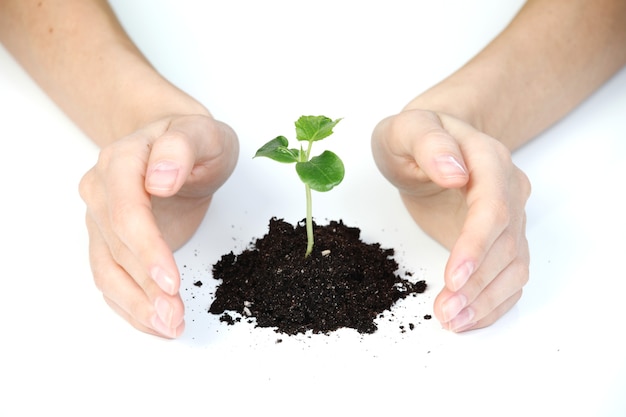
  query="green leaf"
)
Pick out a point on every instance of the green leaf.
point(322, 172)
point(277, 150)
point(313, 128)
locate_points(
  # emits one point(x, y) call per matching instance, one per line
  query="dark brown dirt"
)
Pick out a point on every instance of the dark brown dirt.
point(343, 283)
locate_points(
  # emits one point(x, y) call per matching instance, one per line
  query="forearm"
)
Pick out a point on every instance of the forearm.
point(79, 54)
point(552, 56)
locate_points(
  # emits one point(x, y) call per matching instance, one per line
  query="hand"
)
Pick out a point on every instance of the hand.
point(145, 197)
point(462, 188)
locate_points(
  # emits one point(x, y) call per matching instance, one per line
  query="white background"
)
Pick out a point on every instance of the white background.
point(258, 66)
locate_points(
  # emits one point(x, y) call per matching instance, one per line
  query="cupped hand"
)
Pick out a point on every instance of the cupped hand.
point(145, 197)
point(462, 188)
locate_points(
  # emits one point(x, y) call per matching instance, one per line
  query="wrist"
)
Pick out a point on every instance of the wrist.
point(156, 102)
point(474, 95)
point(143, 97)
point(455, 100)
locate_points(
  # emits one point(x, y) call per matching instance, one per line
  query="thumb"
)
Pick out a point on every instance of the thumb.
point(162, 178)
point(436, 152)
point(186, 143)
point(171, 159)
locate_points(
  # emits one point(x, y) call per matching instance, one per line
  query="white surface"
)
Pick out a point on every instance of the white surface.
point(258, 66)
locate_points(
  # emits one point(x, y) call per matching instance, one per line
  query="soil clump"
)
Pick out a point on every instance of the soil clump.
point(345, 282)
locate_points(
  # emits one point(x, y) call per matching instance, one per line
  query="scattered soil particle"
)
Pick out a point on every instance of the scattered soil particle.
point(227, 318)
point(343, 283)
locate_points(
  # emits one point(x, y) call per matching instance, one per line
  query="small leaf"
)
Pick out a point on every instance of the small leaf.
point(313, 128)
point(277, 150)
point(322, 172)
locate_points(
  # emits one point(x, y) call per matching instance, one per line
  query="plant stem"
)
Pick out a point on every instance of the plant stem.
point(309, 206)
point(309, 221)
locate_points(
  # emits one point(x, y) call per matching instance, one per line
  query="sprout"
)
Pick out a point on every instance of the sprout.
point(319, 173)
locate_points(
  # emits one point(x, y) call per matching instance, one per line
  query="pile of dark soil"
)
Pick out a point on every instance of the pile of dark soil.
point(343, 283)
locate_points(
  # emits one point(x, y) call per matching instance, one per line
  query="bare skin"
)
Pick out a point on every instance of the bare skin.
point(162, 153)
point(449, 150)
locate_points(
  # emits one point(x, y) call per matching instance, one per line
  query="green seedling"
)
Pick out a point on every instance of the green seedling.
point(319, 173)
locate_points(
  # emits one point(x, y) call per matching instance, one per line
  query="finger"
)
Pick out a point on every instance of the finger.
point(412, 148)
point(435, 150)
point(503, 254)
point(468, 321)
point(501, 217)
point(171, 160)
point(511, 248)
point(495, 314)
point(490, 204)
point(496, 196)
point(129, 222)
point(478, 236)
point(158, 329)
point(504, 271)
point(100, 198)
point(458, 310)
point(192, 150)
point(136, 292)
point(144, 307)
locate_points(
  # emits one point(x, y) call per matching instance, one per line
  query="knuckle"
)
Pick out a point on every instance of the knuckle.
point(481, 282)
point(500, 212)
point(169, 140)
point(510, 246)
point(122, 216)
point(523, 272)
point(423, 126)
point(515, 249)
point(399, 123)
point(503, 152)
point(117, 250)
point(99, 281)
point(90, 179)
point(85, 186)
point(525, 185)
point(107, 155)
point(137, 309)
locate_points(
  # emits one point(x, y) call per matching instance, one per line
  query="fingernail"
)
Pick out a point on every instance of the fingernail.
point(468, 326)
point(462, 321)
point(450, 167)
point(163, 280)
point(461, 275)
point(453, 306)
point(163, 176)
point(159, 326)
point(164, 311)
